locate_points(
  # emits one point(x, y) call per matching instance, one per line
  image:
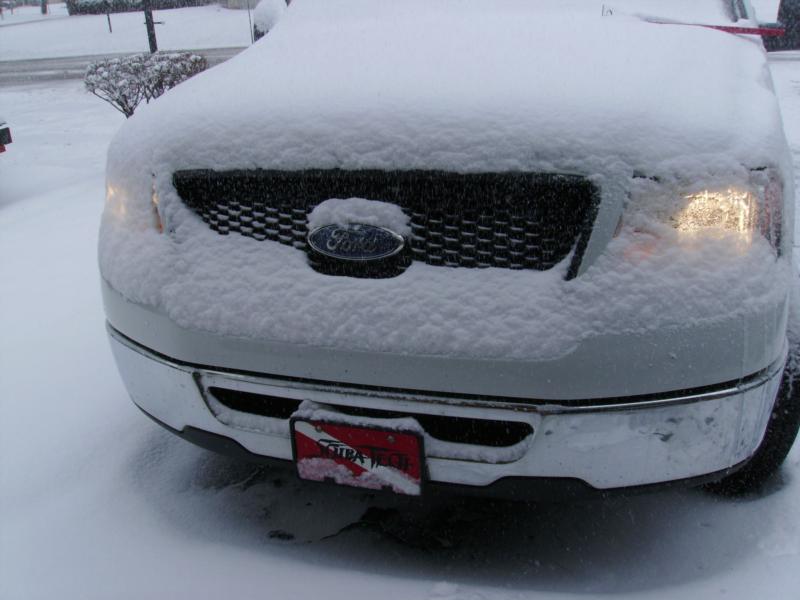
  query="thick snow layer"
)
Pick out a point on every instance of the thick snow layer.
point(374, 84)
point(337, 211)
point(97, 502)
point(493, 313)
point(207, 281)
point(81, 35)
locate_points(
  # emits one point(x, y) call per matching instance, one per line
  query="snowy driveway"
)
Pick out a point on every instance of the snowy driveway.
point(98, 502)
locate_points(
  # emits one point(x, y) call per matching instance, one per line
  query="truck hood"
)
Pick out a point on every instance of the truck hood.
point(470, 85)
point(461, 85)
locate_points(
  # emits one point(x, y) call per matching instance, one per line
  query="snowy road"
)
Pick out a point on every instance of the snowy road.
point(98, 502)
point(57, 37)
point(16, 72)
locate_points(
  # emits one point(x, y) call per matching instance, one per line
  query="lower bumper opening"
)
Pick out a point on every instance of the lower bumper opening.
point(255, 404)
point(459, 430)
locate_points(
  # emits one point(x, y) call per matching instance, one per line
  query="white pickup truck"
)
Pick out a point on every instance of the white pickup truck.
point(494, 245)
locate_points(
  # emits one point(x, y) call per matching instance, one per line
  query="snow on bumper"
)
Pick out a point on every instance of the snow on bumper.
point(607, 446)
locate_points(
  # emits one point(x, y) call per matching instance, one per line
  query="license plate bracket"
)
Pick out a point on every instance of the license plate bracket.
point(362, 456)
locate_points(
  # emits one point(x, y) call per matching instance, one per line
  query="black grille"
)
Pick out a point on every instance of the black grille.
point(511, 220)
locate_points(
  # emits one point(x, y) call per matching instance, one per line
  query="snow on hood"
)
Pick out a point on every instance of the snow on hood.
point(467, 85)
point(461, 85)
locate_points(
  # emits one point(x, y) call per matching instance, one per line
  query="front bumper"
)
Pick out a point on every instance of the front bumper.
point(607, 444)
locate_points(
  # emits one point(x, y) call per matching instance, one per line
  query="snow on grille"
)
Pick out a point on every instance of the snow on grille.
point(508, 220)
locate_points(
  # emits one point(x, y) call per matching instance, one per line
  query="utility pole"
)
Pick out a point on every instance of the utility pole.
point(151, 27)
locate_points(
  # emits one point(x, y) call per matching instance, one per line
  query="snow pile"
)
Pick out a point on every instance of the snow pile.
point(375, 84)
point(359, 210)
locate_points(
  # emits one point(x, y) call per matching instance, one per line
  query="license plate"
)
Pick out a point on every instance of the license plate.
point(356, 456)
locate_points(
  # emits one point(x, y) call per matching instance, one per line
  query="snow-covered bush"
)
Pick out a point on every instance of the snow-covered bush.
point(118, 81)
point(94, 7)
point(124, 82)
point(266, 16)
point(165, 70)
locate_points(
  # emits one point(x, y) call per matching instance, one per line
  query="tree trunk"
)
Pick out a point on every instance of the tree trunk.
point(151, 28)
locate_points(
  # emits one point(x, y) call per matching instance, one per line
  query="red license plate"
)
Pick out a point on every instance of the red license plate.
point(357, 456)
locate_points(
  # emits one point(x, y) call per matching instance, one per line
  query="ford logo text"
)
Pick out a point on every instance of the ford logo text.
point(355, 241)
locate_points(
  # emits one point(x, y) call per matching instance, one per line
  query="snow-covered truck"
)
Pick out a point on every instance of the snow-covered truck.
point(507, 246)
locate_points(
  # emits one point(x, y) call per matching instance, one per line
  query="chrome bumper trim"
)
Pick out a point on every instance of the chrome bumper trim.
point(608, 446)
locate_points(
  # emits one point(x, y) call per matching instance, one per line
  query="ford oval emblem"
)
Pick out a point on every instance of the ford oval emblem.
point(355, 241)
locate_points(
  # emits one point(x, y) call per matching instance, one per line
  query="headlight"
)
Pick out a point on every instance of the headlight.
point(731, 209)
point(749, 209)
point(120, 207)
point(158, 222)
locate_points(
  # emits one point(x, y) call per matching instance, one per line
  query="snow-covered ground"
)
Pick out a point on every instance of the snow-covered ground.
point(98, 502)
point(185, 28)
point(29, 34)
point(766, 10)
point(28, 14)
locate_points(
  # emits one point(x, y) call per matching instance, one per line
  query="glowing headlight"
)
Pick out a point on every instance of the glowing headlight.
point(731, 209)
point(115, 203)
point(158, 222)
point(748, 209)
